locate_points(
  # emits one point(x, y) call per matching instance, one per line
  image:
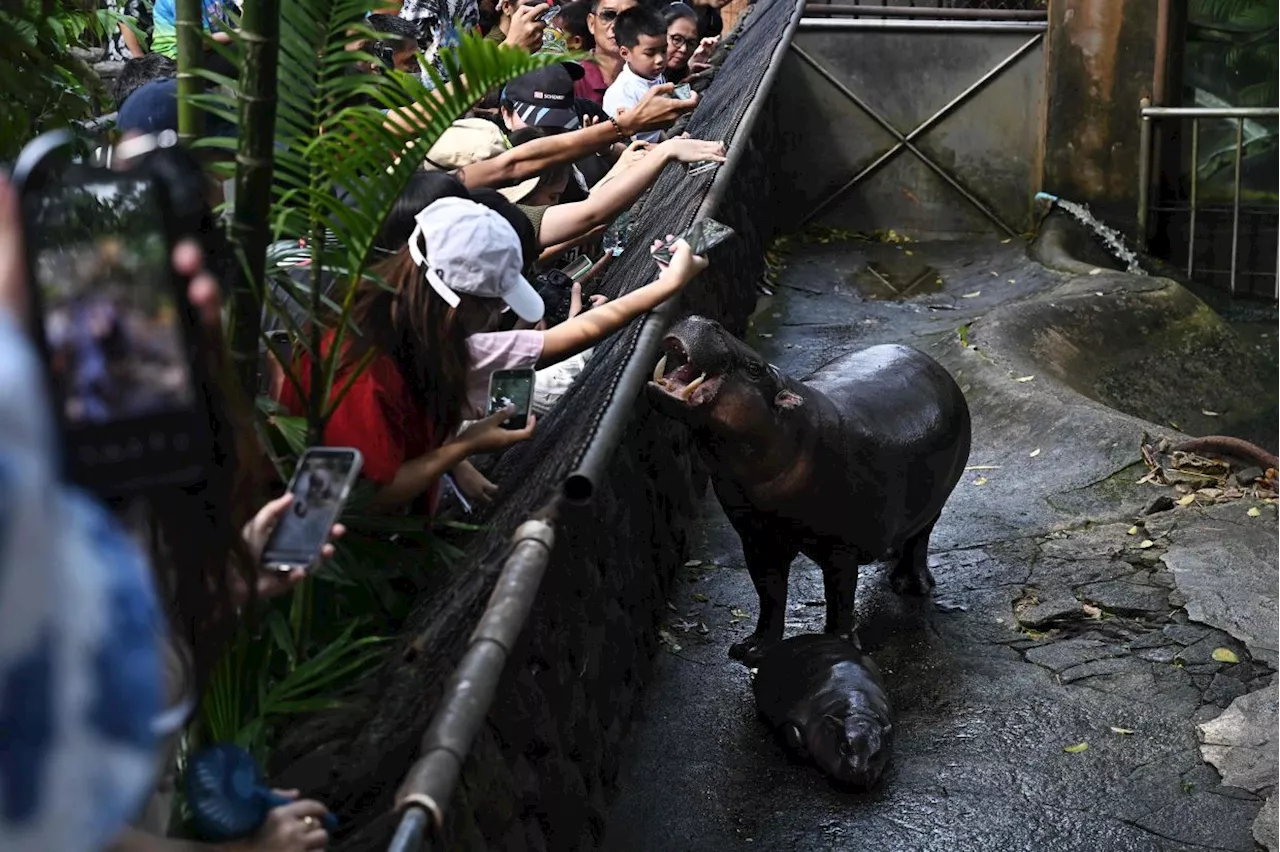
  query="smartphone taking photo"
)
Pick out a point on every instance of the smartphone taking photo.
point(702, 236)
point(320, 487)
point(512, 387)
point(112, 318)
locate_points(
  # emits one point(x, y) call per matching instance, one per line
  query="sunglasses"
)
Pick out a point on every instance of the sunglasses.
point(607, 15)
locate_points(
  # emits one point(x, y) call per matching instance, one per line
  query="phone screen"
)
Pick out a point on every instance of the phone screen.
point(320, 488)
point(512, 387)
point(102, 266)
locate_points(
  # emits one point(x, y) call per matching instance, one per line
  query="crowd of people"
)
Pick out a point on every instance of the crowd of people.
point(485, 263)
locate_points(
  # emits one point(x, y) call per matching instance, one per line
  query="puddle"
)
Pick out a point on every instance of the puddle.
point(896, 274)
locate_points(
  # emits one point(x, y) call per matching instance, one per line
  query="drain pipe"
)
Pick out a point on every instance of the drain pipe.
point(427, 789)
point(580, 486)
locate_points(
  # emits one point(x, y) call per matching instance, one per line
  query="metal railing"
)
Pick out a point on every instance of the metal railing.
point(1240, 115)
point(844, 9)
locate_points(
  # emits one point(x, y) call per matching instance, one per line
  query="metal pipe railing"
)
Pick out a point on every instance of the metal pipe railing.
point(825, 10)
point(428, 787)
point(1151, 113)
point(579, 486)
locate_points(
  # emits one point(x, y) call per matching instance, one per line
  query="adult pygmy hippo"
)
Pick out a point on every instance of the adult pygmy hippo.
point(851, 466)
point(823, 697)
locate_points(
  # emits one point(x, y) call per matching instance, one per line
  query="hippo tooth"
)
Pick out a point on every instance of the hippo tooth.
point(693, 386)
point(660, 370)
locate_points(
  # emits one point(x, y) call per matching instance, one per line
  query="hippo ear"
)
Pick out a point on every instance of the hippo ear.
point(794, 739)
point(788, 400)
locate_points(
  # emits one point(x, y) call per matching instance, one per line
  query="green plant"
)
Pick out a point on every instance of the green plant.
point(317, 158)
point(45, 85)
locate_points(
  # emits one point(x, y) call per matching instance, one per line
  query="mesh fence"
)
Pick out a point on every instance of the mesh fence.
point(541, 465)
point(532, 474)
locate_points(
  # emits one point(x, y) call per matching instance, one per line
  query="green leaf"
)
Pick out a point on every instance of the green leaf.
point(1076, 749)
point(1225, 655)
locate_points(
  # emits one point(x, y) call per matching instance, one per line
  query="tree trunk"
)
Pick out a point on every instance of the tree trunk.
point(255, 162)
point(189, 28)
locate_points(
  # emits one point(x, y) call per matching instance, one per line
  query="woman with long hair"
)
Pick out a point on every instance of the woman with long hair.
point(426, 346)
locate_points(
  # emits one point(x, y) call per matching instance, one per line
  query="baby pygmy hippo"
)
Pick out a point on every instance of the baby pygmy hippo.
point(822, 695)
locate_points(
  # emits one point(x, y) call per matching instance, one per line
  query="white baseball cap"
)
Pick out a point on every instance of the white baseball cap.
point(465, 247)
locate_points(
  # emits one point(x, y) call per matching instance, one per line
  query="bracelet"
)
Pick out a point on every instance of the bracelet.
point(617, 129)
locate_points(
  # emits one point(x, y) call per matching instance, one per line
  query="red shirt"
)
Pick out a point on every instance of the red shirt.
point(592, 85)
point(378, 416)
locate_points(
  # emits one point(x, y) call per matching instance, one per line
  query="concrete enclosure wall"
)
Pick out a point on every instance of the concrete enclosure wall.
point(907, 72)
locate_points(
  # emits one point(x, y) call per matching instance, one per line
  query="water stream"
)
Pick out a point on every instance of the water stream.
point(1114, 241)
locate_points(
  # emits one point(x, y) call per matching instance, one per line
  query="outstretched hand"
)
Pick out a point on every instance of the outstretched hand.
point(488, 436)
point(655, 111)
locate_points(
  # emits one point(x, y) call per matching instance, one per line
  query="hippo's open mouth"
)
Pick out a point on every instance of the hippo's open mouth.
point(678, 377)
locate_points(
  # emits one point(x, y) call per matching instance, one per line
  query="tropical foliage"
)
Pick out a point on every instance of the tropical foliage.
point(1233, 60)
point(318, 161)
point(45, 85)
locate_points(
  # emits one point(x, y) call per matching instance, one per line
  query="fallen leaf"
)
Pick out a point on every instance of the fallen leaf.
point(983, 467)
point(1123, 731)
point(1076, 749)
point(1013, 281)
point(1253, 512)
point(685, 626)
point(972, 295)
point(1006, 242)
point(910, 253)
point(1186, 501)
point(1175, 426)
point(669, 640)
point(739, 613)
point(700, 597)
point(1091, 610)
point(995, 275)
point(981, 480)
point(703, 629)
point(1133, 530)
point(672, 606)
point(1225, 655)
point(693, 563)
point(1207, 413)
point(1095, 271)
point(1035, 452)
point(1146, 542)
point(1024, 379)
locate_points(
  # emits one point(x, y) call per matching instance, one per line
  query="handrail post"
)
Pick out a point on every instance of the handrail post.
point(1144, 174)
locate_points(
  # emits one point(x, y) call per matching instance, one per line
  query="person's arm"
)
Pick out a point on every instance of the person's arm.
point(564, 222)
point(656, 110)
point(415, 476)
point(589, 328)
point(294, 827)
point(131, 41)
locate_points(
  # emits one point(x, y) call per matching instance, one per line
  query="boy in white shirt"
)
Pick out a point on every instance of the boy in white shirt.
point(641, 34)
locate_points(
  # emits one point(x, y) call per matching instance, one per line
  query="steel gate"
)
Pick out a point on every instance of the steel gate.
point(921, 119)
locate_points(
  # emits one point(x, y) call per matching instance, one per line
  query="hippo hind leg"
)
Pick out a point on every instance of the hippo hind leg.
point(911, 574)
point(769, 557)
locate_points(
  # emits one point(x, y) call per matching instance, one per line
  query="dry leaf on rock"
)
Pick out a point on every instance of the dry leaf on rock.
point(1076, 749)
point(1122, 731)
point(1035, 452)
point(1225, 655)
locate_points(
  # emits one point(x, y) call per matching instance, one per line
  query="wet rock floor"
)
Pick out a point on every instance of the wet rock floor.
point(1055, 623)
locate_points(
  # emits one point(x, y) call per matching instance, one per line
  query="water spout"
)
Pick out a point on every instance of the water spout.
point(1111, 237)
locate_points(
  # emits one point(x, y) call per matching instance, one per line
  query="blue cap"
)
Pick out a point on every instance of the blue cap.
point(153, 107)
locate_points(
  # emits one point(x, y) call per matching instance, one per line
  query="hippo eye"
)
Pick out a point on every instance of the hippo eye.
point(754, 370)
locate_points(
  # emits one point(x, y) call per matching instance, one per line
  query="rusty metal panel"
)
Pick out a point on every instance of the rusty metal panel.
point(981, 169)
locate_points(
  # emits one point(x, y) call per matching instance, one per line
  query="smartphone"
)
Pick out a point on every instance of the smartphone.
point(320, 487)
point(578, 270)
point(683, 92)
point(701, 237)
point(549, 17)
point(112, 319)
point(512, 387)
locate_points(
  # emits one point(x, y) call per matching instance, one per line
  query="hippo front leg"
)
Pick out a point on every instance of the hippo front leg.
point(768, 559)
point(840, 585)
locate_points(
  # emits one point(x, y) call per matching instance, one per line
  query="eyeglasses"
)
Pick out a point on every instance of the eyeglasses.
point(679, 41)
